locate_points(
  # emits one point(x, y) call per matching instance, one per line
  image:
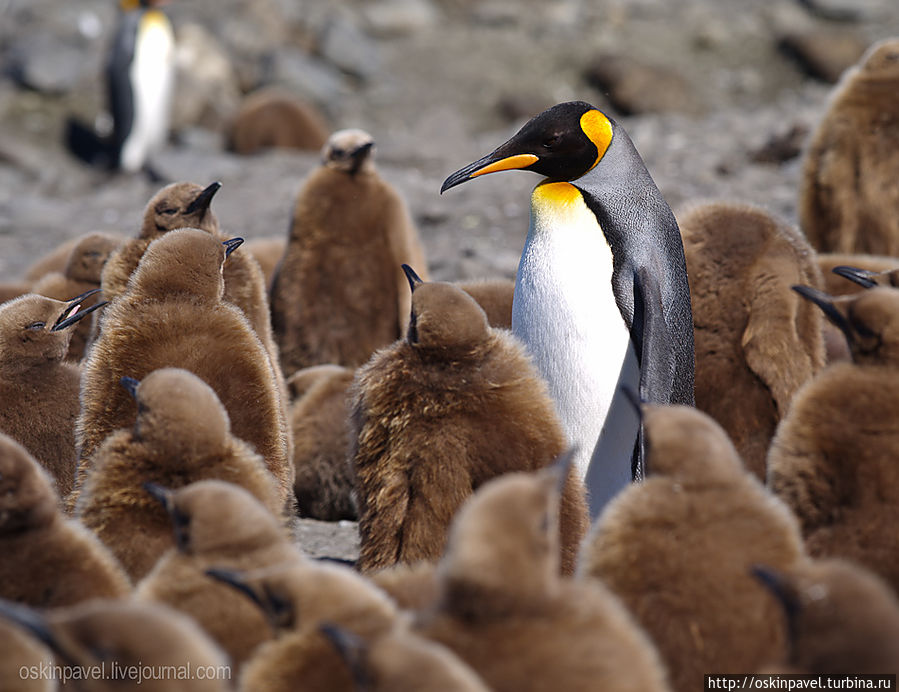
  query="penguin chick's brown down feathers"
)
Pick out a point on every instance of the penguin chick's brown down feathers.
point(133, 646)
point(849, 192)
point(504, 609)
point(439, 413)
point(275, 118)
point(756, 340)
point(173, 315)
point(339, 293)
point(678, 548)
point(48, 561)
point(495, 297)
point(842, 619)
point(81, 274)
point(318, 421)
point(218, 524)
point(39, 392)
point(832, 459)
point(181, 434)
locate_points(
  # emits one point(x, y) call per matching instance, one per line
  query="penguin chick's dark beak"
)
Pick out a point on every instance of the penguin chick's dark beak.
point(32, 622)
point(180, 521)
point(825, 302)
point(278, 611)
point(86, 294)
point(862, 277)
point(492, 163)
point(786, 596)
point(231, 245)
point(235, 580)
point(64, 321)
point(204, 199)
point(414, 279)
point(351, 648)
point(130, 384)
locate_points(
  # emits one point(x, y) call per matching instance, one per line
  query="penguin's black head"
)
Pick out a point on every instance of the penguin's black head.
point(561, 143)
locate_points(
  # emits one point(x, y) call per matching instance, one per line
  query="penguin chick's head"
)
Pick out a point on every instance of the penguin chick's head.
point(34, 330)
point(881, 60)
point(349, 151)
point(27, 498)
point(446, 321)
point(562, 143)
point(841, 618)
point(869, 320)
point(216, 518)
point(180, 415)
point(506, 536)
point(180, 205)
point(186, 261)
point(685, 444)
point(89, 255)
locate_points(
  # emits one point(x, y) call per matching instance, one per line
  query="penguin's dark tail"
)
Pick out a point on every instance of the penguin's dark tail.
point(86, 145)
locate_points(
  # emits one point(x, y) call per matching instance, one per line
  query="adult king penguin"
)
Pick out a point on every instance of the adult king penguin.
point(140, 75)
point(601, 296)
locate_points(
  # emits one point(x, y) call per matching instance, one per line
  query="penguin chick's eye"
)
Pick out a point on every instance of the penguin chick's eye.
point(168, 211)
point(34, 326)
point(337, 151)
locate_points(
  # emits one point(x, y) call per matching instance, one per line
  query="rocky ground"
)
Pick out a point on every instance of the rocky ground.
point(718, 96)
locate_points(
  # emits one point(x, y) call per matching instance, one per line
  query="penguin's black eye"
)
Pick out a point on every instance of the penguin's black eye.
point(36, 325)
point(168, 211)
point(551, 141)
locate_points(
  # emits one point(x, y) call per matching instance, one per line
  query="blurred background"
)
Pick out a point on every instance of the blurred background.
point(718, 95)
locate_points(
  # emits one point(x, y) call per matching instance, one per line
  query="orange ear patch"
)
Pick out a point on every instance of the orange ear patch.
point(598, 128)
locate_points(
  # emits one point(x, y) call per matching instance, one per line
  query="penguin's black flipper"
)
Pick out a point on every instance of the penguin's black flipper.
point(651, 335)
point(85, 144)
point(618, 451)
point(119, 91)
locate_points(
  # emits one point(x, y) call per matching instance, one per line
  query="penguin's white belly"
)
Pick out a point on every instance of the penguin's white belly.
point(565, 312)
point(152, 77)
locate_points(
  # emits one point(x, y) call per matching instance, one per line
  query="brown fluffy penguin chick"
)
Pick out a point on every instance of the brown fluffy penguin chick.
point(10, 290)
point(402, 660)
point(756, 340)
point(837, 285)
point(54, 260)
point(832, 459)
point(48, 560)
point(413, 587)
point(849, 194)
point(218, 524)
point(495, 298)
point(173, 315)
point(81, 274)
point(267, 253)
point(181, 435)
point(39, 391)
point(133, 645)
point(274, 118)
point(678, 548)
point(842, 618)
point(437, 414)
point(318, 420)
point(298, 600)
point(339, 292)
point(504, 609)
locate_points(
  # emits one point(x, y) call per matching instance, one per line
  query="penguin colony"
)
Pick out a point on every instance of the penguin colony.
point(459, 438)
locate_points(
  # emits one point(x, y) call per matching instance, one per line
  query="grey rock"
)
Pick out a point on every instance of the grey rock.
point(392, 18)
point(46, 64)
point(343, 44)
point(308, 77)
point(824, 55)
point(635, 87)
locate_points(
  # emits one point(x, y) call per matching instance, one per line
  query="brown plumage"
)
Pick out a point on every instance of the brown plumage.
point(756, 340)
point(10, 290)
point(218, 524)
point(181, 434)
point(836, 285)
point(81, 274)
point(849, 194)
point(832, 460)
point(495, 298)
point(504, 609)
point(173, 315)
point(439, 413)
point(402, 660)
point(38, 390)
point(298, 600)
point(413, 587)
point(268, 253)
point(137, 646)
point(22, 658)
point(678, 548)
point(320, 427)
point(843, 619)
point(48, 561)
point(274, 118)
point(54, 260)
point(339, 292)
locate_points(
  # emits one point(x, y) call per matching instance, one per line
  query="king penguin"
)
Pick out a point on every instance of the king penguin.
point(140, 78)
point(601, 296)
